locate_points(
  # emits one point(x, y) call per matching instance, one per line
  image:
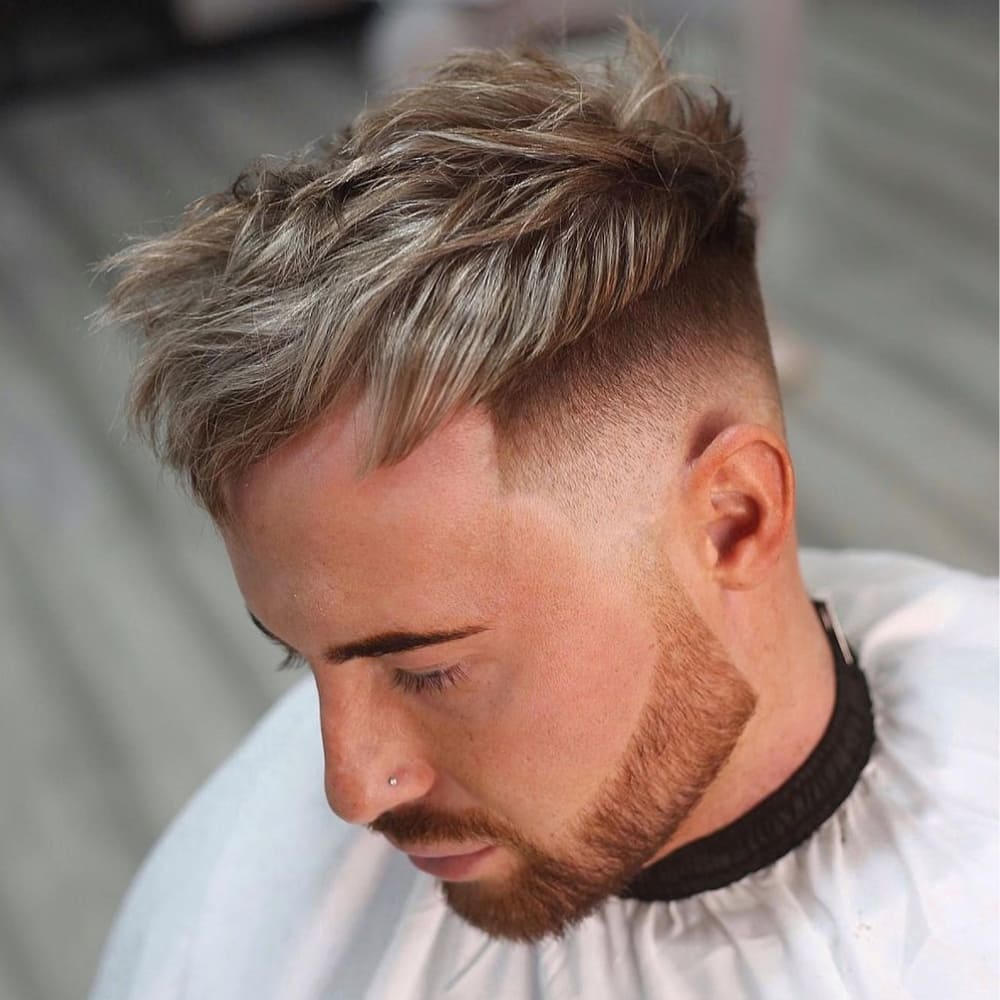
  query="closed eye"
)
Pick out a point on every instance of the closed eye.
point(432, 681)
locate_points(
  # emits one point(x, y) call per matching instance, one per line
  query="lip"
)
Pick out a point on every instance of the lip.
point(451, 867)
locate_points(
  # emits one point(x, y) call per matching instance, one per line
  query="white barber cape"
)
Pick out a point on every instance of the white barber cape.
point(258, 891)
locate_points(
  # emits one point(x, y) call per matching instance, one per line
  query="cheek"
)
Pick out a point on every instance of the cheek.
point(577, 681)
point(597, 686)
point(575, 651)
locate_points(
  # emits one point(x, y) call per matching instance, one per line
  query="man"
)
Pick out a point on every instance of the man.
point(482, 402)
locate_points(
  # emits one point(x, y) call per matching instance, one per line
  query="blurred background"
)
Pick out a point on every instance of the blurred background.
point(129, 668)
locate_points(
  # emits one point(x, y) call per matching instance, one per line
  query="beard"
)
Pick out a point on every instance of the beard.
point(698, 706)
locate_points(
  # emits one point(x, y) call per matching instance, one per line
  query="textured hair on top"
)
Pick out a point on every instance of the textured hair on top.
point(493, 236)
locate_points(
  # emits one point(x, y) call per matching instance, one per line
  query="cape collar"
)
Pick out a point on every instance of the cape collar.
point(790, 814)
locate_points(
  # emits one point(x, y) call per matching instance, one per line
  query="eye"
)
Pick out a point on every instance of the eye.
point(435, 681)
point(292, 661)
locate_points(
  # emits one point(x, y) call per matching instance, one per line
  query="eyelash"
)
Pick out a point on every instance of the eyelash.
point(434, 681)
point(291, 661)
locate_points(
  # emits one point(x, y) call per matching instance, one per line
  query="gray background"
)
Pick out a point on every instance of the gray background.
point(128, 666)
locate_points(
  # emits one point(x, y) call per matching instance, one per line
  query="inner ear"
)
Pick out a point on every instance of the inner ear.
point(741, 492)
point(738, 517)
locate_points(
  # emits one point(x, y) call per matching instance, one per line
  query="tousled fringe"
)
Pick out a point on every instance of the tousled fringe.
point(473, 227)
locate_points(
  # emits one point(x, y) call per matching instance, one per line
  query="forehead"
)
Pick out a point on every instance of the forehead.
point(435, 539)
point(315, 473)
point(306, 530)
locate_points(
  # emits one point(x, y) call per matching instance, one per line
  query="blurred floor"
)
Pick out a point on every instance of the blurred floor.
point(129, 668)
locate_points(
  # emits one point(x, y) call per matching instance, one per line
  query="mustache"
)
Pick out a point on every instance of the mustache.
point(417, 825)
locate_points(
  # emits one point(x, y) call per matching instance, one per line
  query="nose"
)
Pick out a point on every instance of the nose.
point(364, 745)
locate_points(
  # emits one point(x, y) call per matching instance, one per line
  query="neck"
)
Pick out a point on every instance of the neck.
point(787, 660)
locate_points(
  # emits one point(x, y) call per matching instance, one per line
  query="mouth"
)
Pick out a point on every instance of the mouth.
point(452, 868)
point(452, 864)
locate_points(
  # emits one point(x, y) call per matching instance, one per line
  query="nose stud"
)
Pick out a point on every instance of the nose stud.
point(393, 782)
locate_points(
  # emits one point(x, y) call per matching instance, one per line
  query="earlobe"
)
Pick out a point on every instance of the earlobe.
point(742, 496)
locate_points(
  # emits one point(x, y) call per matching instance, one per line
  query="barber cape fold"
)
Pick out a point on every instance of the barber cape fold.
point(257, 890)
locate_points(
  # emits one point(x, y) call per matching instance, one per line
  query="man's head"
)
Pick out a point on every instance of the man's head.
point(494, 367)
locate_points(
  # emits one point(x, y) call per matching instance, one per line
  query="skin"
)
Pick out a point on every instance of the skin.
point(646, 670)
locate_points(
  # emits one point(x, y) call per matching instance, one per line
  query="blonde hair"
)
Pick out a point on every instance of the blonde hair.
point(510, 233)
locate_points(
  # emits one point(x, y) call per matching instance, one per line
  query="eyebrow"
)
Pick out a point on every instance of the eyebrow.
point(382, 644)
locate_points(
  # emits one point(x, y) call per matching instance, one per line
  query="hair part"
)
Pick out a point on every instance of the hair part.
point(508, 233)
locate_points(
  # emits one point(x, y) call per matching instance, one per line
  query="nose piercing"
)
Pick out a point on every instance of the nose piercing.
point(393, 782)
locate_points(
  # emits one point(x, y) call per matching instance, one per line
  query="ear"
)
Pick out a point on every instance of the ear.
point(740, 499)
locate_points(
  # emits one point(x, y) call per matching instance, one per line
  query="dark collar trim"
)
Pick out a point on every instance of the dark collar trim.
point(790, 814)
